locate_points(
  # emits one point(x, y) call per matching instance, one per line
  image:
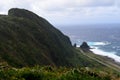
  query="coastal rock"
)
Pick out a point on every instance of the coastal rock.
point(85, 46)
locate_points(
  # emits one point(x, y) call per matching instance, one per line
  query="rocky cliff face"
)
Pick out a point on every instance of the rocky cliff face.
point(27, 39)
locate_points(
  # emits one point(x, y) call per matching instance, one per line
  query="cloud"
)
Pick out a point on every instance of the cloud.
point(54, 5)
point(118, 3)
point(95, 3)
point(72, 7)
point(59, 11)
point(5, 5)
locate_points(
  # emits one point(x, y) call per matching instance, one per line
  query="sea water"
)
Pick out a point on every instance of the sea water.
point(104, 39)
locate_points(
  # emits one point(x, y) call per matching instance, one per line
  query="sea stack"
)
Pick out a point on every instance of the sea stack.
point(85, 46)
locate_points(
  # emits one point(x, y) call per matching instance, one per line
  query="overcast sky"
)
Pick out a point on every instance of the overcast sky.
point(60, 12)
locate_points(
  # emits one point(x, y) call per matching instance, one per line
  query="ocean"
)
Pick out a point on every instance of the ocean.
point(104, 39)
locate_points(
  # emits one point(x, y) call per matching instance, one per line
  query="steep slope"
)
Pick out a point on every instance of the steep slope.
point(27, 39)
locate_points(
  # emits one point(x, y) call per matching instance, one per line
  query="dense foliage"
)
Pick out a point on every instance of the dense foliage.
point(50, 73)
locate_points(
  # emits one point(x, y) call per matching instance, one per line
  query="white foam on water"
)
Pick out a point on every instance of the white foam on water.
point(112, 55)
point(98, 43)
point(98, 51)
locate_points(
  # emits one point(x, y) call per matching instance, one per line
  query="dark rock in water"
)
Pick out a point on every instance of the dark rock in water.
point(85, 46)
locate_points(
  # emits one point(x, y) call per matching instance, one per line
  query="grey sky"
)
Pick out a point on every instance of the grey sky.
point(69, 11)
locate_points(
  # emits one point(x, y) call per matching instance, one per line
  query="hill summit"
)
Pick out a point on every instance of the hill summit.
point(27, 39)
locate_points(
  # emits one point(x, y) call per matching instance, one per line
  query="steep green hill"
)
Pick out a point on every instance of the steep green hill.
point(27, 39)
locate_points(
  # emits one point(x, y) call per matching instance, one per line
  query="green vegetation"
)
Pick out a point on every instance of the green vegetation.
point(50, 73)
point(27, 40)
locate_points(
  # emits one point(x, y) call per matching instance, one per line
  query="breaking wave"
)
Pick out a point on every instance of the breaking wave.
point(98, 51)
point(98, 43)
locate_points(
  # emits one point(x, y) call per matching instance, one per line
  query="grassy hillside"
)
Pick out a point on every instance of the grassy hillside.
point(27, 39)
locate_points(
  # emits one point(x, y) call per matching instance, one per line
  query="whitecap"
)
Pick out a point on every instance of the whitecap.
point(98, 43)
point(112, 55)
